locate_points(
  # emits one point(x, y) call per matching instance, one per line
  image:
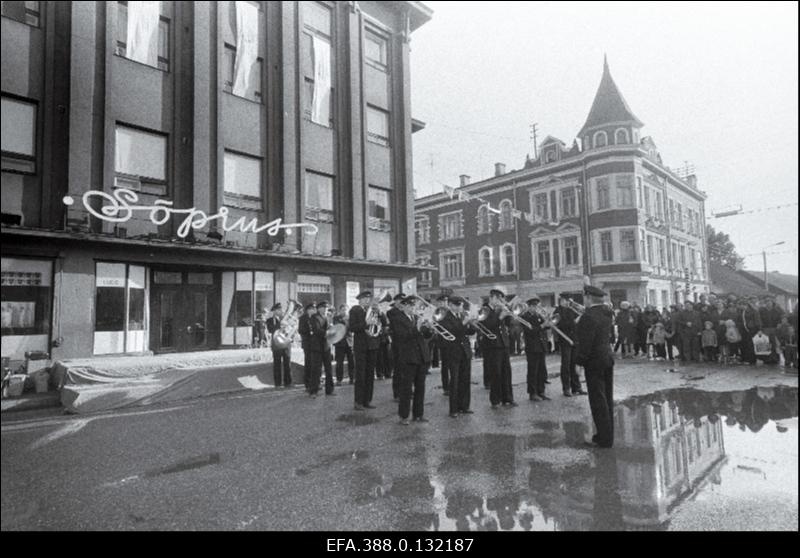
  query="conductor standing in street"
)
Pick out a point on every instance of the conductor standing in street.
point(593, 335)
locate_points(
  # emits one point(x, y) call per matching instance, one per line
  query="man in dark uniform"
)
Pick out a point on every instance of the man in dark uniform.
point(496, 351)
point(391, 315)
point(410, 336)
point(593, 352)
point(564, 317)
point(441, 302)
point(689, 328)
point(313, 346)
point(383, 363)
point(457, 354)
point(365, 349)
point(535, 349)
point(281, 356)
point(342, 348)
point(322, 325)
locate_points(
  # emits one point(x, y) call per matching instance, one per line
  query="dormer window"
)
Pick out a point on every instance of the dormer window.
point(621, 136)
point(550, 156)
point(600, 139)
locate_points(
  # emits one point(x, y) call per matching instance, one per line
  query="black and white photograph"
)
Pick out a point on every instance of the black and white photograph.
point(393, 275)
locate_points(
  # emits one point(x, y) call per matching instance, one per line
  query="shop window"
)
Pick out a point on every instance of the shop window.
point(314, 288)
point(245, 294)
point(18, 135)
point(27, 295)
point(143, 34)
point(23, 12)
point(242, 181)
point(140, 159)
point(120, 308)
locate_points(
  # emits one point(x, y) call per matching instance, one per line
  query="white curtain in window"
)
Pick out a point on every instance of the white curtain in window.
point(19, 121)
point(246, 46)
point(320, 102)
point(143, 20)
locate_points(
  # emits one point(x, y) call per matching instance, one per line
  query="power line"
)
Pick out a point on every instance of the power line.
point(749, 211)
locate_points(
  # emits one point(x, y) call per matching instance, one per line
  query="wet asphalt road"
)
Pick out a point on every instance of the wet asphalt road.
point(697, 448)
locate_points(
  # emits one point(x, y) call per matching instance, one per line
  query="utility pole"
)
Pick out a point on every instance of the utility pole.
point(533, 137)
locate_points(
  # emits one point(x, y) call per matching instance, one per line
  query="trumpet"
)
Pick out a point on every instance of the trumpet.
point(475, 317)
point(432, 314)
point(577, 307)
point(549, 321)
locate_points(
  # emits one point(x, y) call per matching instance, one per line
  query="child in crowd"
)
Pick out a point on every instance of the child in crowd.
point(732, 340)
point(659, 339)
point(787, 337)
point(763, 348)
point(708, 340)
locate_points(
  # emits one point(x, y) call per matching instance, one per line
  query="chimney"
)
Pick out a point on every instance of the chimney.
point(464, 179)
point(499, 169)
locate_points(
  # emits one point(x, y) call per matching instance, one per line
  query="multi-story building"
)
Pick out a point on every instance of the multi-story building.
point(605, 207)
point(247, 112)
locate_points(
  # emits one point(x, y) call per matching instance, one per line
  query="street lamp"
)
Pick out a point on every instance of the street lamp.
point(764, 256)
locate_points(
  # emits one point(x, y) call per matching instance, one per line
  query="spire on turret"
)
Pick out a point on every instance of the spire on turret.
point(609, 105)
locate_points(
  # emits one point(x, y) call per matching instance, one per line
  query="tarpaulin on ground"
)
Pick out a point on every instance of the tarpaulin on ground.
point(105, 383)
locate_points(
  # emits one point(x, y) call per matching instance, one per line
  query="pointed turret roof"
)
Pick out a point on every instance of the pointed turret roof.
point(608, 105)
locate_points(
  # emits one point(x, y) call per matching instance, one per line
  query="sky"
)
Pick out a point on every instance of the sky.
point(714, 83)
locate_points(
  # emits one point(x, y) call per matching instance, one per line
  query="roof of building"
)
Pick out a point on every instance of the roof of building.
point(551, 139)
point(608, 105)
point(725, 280)
point(419, 14)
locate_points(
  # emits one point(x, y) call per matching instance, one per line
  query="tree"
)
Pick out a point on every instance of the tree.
point(721, 250)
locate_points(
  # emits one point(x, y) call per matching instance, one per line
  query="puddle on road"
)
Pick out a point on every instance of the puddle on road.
point(683, 459)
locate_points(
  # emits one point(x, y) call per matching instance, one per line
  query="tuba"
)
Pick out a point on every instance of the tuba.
point(282, 339)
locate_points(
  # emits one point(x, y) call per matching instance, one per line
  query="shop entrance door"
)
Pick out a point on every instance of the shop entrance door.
point(181, 316)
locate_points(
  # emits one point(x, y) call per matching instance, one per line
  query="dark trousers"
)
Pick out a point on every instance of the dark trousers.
point(396, 376)
point(661, 350)
point(500, 390)
point(412, 380)
point(478, 351)
point(460, 372)
point(710, 354)
point(747, 349)
point(342, 351)
point(445, 372)
point(434, 354)
point(326, 365)
point(670, 344)
point(487, 377)
point(600, 385)
point(383, 365)
point(365, 376)
point(537, 373)
point(570, 381)
point(313, 369)
point(690, 346)
point(281, 361)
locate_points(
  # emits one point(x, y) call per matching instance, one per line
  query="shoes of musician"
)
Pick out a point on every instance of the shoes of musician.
point(467, 412)
point(332, 393)
point(358, 408)
point(369, 406)
point(453, 415)
point(579, 392)
point(338, 382)
point(405, 422)
point(534, 397)
point(421, 419)
point(567, 394)
point(510, 404)
point(495, 406)
point(544, 397)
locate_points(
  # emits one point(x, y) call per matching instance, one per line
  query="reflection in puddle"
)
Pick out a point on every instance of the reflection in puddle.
point(674, 450)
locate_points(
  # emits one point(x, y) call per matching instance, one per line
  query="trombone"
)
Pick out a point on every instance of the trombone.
point(515, 312)
point(433, 314)
point(475, 317)
point(549, 322)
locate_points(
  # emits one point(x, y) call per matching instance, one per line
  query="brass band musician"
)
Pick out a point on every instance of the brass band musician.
point(496, 351)
point(363, 320)
point(281, 355)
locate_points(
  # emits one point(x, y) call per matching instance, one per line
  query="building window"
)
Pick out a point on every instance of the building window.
point(507, 259)
point(380, 217)
point(452, 266)
point(376, 50)
point(603, 193)
point(672, 212)
point(27, 296)
point(627, 245)
point(484, 220)
point(606, 247)
point(378, 126)
point(485, 262)
point(659, 205)
point(624, 191)
point(242, 181)
point(640, 203)
point(319, 197)
point(543, 254)
point(692, 261)
point(23, 12)
point(621, 136)
point(550, 156)
point(425, 278)
point(140, 159)
point(451, 226)
point(662, 253)
point(143, 34)
point(664, 298)
point(683, 257)
point(540, 206)
point(18, 135)
point(650, 258)
point(318, 70)
point(422, 228)
point(600, 139)
point(647, 209)
point(506, 217)
point(571, 250)
point(569, 202)
point(120, 300)
point(249, 87)
point(675, 262)
point(679, 213)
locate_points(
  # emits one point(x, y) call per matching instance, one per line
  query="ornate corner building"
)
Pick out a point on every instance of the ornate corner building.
point(606, 207)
